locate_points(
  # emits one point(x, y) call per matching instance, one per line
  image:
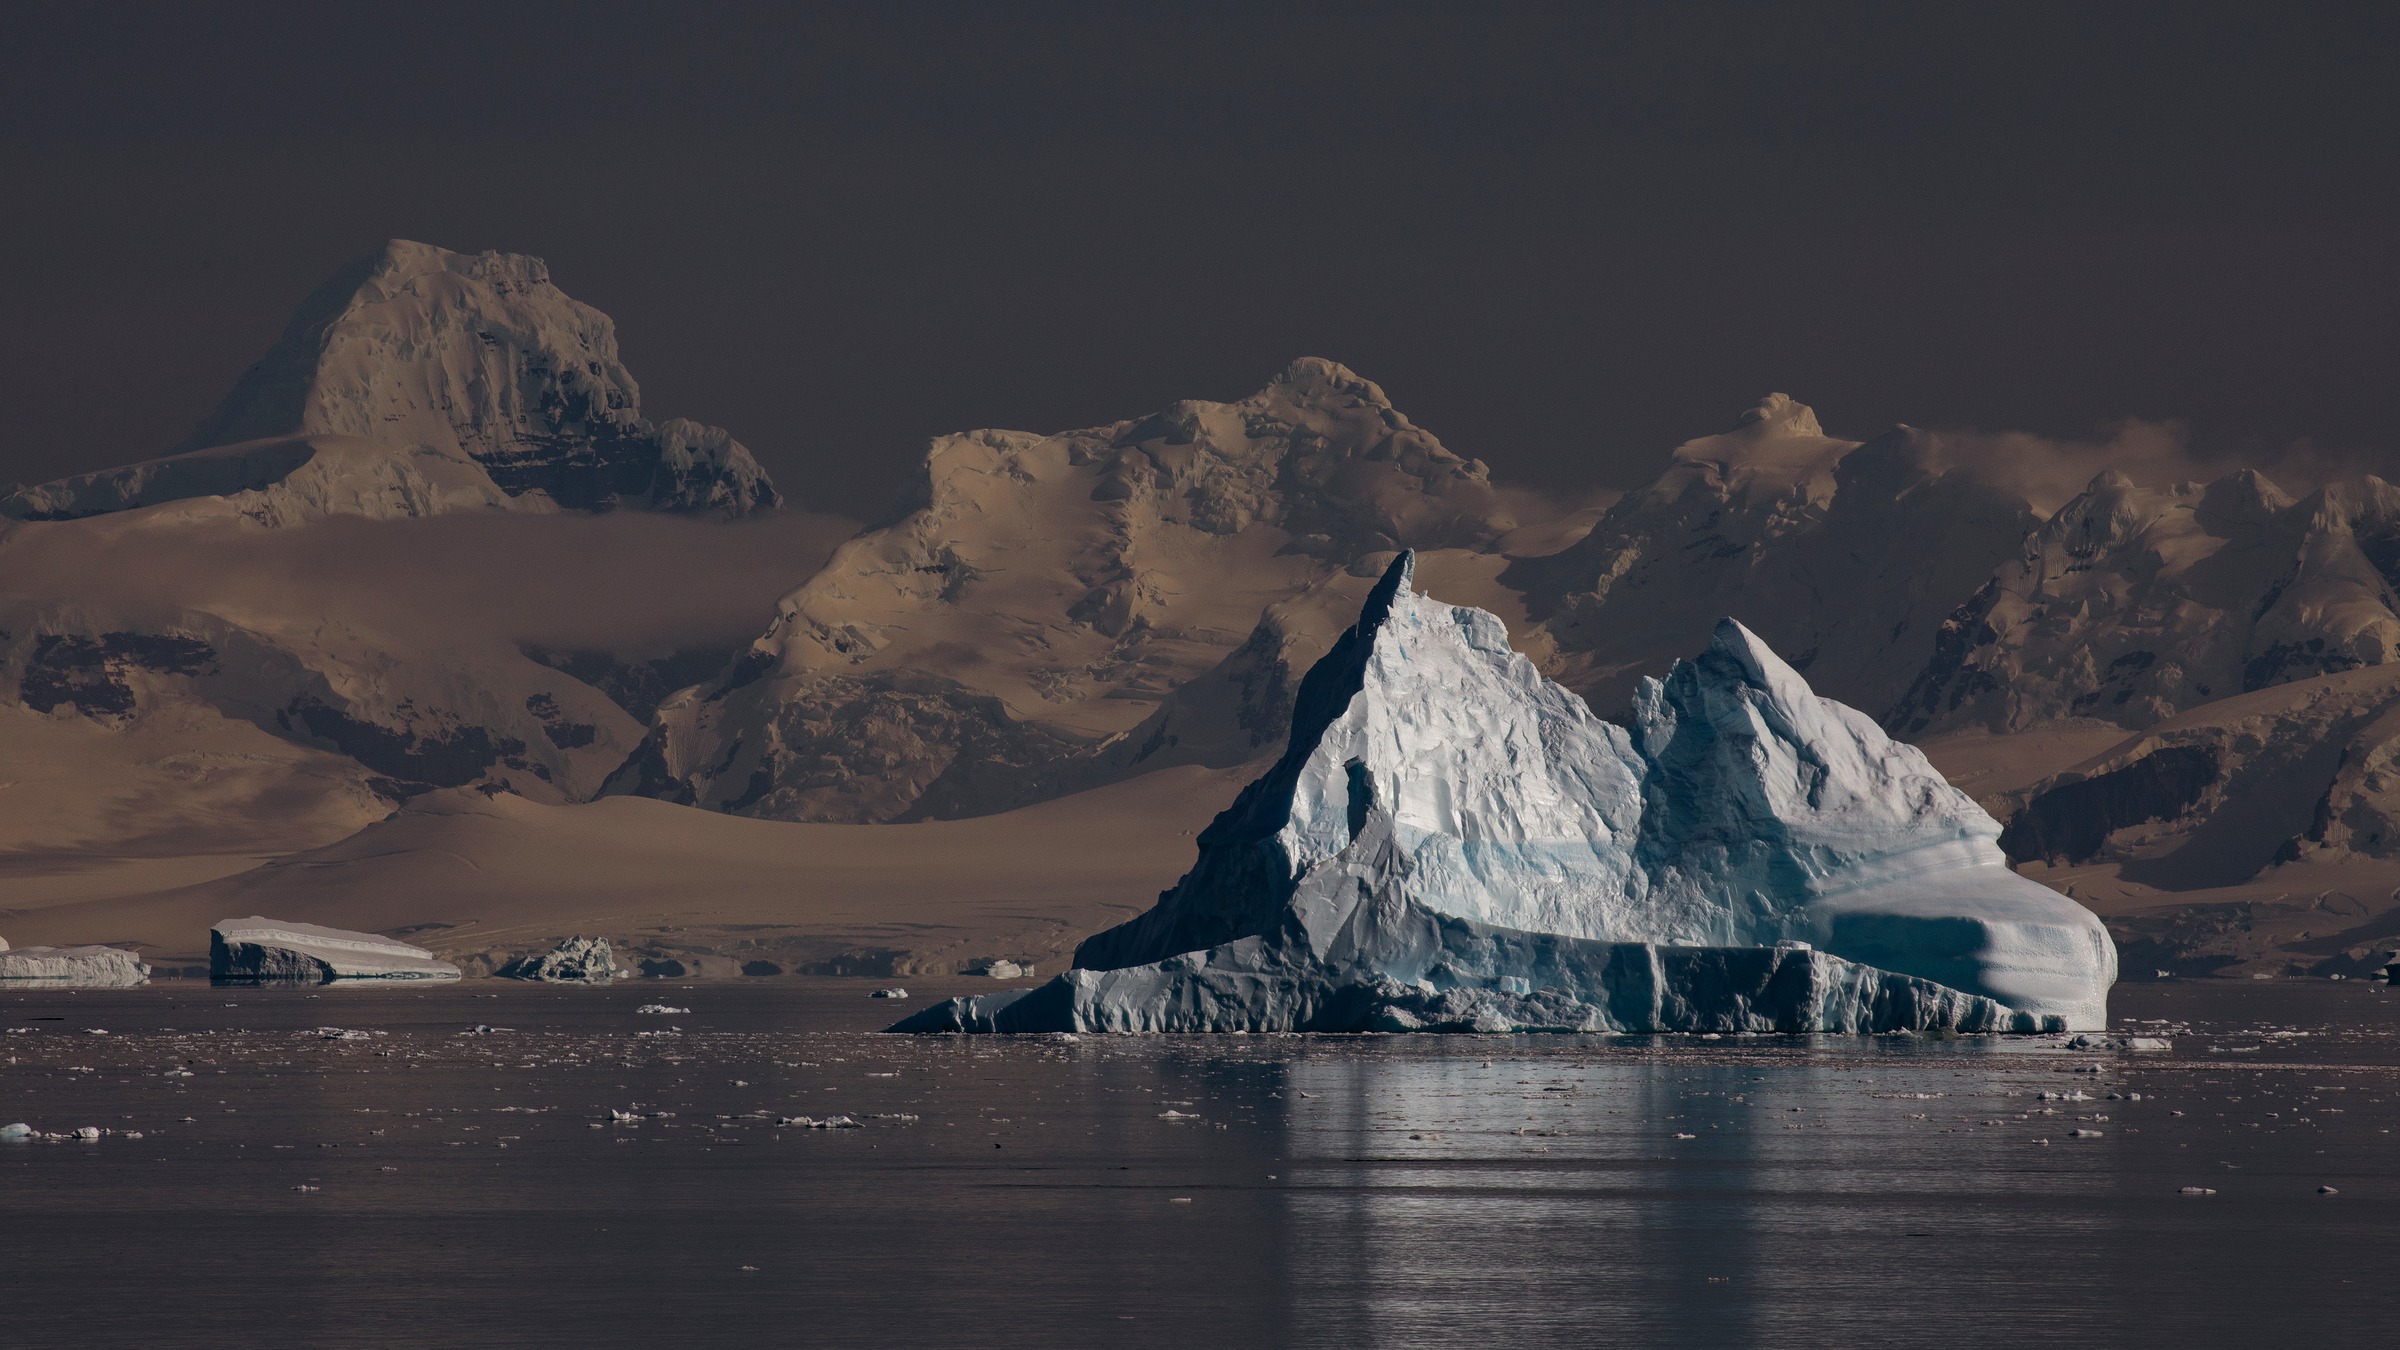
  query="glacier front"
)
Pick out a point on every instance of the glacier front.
point(1451, 841)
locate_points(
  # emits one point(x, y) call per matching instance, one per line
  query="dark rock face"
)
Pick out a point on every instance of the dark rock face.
point(451, 758)
point(638, 686)
point(89, 672)
point(2071, 823)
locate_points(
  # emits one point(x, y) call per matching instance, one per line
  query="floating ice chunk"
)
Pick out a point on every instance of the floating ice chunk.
point(576, 960)
point(889, 993)
point(661, 1009)
point(18, 1131)
point(1451, 842)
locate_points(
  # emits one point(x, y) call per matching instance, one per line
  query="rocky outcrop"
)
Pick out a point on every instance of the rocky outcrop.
point(576, 960)
point(1041, 595)
point(1449, 836)
point(275, 951)
point(72, 967)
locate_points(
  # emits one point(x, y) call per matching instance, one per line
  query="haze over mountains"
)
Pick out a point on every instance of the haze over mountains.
point(431, 543)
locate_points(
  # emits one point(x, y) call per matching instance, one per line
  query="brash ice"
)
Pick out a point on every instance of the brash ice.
point(1452, 841)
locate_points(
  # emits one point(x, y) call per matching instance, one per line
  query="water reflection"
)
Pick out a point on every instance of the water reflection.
point(1556, 1197)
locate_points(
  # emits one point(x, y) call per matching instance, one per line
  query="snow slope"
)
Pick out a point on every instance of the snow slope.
point(1445, 819)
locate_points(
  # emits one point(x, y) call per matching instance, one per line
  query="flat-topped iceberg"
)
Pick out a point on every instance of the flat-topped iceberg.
point(1452, 841)
point(72, 967)
point(274, 951)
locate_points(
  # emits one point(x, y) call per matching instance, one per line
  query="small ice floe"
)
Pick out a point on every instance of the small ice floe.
point(2327, 1190)
point(17, 1132)
point(1003, 969)
point(1687, 1136)
point(889, 993)
point(2086, 1134)
point(1172, 1114)
point(343, 1034)
point(661, 1010)
point(815, 1123)
point(2119, 1043)
point(2198, 1190)
point(307, 1190)
point(88, 1134)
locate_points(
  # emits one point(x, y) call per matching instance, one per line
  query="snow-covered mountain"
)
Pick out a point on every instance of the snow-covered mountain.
point(1849, 556)
point(1449, 833)
point(2132, 604)
point(1041, 595)
point(419, 380)
point(219, 682)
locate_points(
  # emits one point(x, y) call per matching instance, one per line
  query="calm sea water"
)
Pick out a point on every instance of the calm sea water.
point(470, 1188)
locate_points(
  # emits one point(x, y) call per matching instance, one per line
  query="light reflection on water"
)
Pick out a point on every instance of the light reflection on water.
point(1370, 1191)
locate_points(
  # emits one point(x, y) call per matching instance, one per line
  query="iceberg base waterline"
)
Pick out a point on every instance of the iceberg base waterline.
point(1346, 960)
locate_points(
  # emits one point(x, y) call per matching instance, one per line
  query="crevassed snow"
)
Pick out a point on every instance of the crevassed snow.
point(1447, 824)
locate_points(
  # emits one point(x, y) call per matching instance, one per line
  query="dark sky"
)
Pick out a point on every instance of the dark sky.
point(1562, 238)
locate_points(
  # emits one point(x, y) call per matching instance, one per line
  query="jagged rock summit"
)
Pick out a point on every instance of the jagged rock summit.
point(419, 380)
point(1453, 841)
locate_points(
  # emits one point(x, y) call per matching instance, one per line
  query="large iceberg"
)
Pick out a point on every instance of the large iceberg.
point(1452, 841)
point(276, 951)
point(72, 967)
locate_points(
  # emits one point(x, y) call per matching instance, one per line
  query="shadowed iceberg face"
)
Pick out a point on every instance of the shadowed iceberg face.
point(1451, 839)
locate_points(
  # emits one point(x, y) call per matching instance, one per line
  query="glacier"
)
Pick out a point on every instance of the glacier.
point(1453, 842)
